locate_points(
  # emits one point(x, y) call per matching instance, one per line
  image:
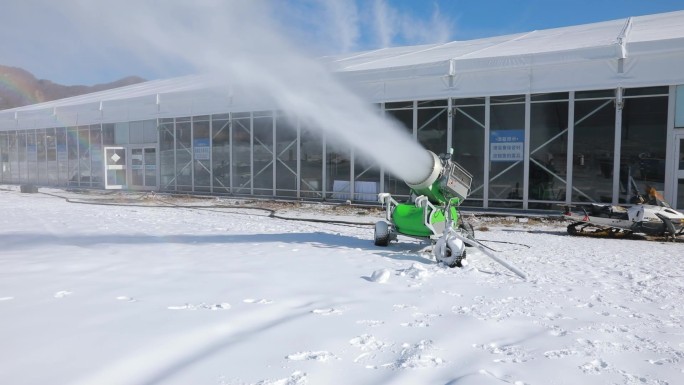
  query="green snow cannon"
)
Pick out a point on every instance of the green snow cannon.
point(432, 212)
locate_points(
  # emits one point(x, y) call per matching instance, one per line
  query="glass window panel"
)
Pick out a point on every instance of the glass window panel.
point(84, 156)
point(679, 107)
point(548, 152)
point(220, 152)
point(680, 194)
point(593, 151)
point(96, 156)
point(13, 146)
point(137, 167)
point(32, 156)
point(395, 105)
point(433, 103)
point(644, 144)
point(167, 170)
point(432, 129)
point(602, 94)
point(42, 157)
point(550, 96)
point(51, 156)
point(121, 133)
point(184, 155)
point(202, 155)
point(468, 142)
point(680, 177)
point(241, 162)
point(150, 134)
point(72, 148)
point(507, 132)
point(136, 132)
point(311, 148)
point(507, 99)
point(62, 155)
point(680, 156)
point(366, 179)
point(21, 148)
point(263, 114)
point(263, 156)
point(286, 156)
point(4, 158)
point(338, 170)
point(664, 90)
point(150, 159)
point(468, 102)
point(108, 134)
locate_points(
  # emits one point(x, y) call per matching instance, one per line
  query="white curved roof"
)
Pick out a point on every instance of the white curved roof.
point(632, 52)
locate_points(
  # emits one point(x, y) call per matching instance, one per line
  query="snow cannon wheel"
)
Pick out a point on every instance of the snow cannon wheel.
point(382, 234)
point(458, 261)
point(451, 252)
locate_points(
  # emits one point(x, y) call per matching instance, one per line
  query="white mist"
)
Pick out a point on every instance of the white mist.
point(244, 48)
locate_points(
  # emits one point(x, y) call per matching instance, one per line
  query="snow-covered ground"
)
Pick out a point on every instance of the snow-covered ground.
point(93, 294)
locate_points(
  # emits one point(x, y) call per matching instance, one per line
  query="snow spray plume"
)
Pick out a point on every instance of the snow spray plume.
point(240, 44)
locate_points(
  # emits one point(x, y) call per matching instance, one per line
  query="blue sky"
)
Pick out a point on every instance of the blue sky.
point(96, 41)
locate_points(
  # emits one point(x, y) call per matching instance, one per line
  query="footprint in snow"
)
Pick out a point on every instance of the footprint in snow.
point(414, 356)
point(296, 378)
point(557, 354)
point(62, 294)
point(371, 323)
point(202, 306)
point(127, 299)
point(451, 293)
point(321, 356)
point(257, 301)
point(403, 306)
point(367, 342)
point(510, 353)
point(422, 320)
point(594, 367)
point(328, 311)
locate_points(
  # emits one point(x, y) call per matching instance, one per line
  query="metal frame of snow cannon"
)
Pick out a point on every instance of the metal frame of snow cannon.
point(433, 214)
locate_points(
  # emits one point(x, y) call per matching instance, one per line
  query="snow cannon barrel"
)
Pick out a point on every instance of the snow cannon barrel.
point(444, 180)
point(429, 185)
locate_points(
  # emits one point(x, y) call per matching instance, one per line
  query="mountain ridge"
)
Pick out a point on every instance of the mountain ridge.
point(19, 87)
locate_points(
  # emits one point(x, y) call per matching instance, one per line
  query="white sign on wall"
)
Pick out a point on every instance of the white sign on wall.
point(201, 149)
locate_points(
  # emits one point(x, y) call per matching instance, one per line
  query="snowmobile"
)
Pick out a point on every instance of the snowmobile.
point(432, 214)
point(652, 216)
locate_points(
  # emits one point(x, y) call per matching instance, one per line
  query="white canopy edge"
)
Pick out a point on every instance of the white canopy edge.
point(633, 52)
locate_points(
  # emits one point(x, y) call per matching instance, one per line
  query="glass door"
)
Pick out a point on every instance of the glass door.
point(679, 173)
point(115, 168)
point(143, 166)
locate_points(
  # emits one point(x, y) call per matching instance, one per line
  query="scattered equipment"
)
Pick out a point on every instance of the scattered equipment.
point(652, 217)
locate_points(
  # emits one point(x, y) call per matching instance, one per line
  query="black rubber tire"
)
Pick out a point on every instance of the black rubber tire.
point(382, 234)
point(457, 262)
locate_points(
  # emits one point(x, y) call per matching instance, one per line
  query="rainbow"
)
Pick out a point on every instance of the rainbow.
point(20, 87)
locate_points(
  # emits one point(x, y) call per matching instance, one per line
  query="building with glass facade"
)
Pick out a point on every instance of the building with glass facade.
point(578, 114)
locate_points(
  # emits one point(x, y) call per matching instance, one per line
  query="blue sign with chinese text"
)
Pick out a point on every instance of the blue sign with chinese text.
point(506, 145)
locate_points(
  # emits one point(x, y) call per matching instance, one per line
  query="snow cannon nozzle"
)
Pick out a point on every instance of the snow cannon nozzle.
point(445, 180)
point(431, 176)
